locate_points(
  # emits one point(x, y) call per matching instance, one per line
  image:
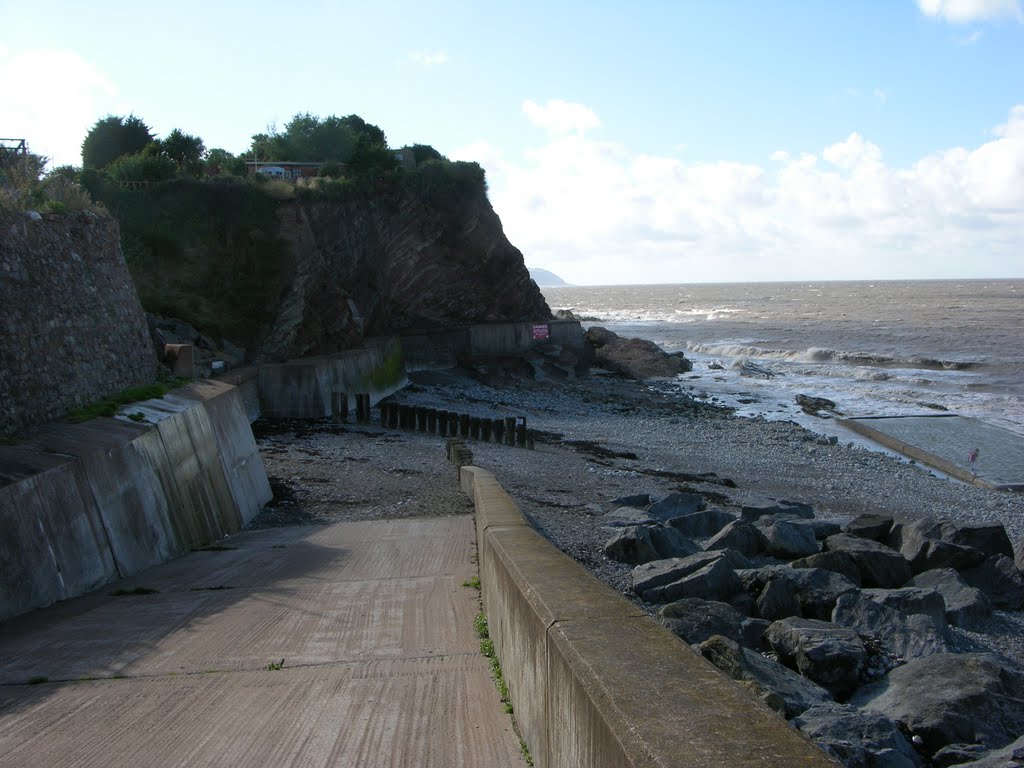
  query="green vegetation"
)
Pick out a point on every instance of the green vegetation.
point(487, 649)
point(135, 591)
point(205, 251)
point(274, 666)
point(113, 137)
point(108, 407)
point(24, 186)
point(350, 140)
point(38, 680)
point(445, 184)
point(205, 242)
point(472, 582)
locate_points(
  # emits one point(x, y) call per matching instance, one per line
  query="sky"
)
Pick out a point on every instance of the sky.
point(624, 142)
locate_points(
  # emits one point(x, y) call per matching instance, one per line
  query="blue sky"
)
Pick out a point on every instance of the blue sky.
point(624, 142)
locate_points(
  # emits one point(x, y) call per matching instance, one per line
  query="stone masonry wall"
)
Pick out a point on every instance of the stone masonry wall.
point(71, 326)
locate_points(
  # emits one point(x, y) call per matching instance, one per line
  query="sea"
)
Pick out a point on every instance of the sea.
point(878, 348)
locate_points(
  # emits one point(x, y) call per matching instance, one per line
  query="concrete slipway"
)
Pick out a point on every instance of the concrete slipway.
point(381, 664)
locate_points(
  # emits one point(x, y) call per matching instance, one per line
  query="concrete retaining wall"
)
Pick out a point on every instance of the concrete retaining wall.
point(593, 680)
point(247, 381)
point(83, 504)
point(446, 349)
point(71, 326)
point(304, 389)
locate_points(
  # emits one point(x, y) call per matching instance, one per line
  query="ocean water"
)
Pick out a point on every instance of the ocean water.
point(882, 348)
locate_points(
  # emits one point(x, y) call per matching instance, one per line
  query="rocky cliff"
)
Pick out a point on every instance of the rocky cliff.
point(392, 264)
point(290, 272)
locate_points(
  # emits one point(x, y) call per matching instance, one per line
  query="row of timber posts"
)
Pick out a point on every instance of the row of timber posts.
point(413, 418)
point(339, 407)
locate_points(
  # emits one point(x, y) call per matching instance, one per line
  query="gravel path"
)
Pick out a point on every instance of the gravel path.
point(600, 438)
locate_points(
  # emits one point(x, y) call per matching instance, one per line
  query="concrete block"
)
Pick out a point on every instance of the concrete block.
point(626, 691)
point(594, 680)
point(527, 586)
point(123, 481)
point(180, 359)
point(52, 543)
point(240, 458)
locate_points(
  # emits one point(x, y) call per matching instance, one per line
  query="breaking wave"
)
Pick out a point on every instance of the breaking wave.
point(818, 355)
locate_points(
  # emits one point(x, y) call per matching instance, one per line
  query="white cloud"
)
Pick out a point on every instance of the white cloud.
point(429, 58)
point(967, 11)
point(52, 98)
point(597, 212)
point(561, 117)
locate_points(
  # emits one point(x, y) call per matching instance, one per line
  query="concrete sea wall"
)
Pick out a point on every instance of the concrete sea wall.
point(309, 388)
point(446, 349)
point(71, 326)
point(84, 504)
point(593, 680)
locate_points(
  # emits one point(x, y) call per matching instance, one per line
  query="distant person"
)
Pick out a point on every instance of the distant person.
point(972, 457)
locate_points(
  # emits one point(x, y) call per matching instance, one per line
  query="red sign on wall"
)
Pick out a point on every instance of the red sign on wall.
point(541, 332)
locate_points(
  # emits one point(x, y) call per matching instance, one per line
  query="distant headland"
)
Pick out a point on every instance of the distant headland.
point(545, 279)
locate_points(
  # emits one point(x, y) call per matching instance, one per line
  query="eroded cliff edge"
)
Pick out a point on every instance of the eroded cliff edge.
point(290, 273)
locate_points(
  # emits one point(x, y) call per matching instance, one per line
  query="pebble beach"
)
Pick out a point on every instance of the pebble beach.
point(599, 438)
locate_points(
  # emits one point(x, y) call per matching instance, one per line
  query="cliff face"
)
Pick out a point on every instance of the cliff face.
point(395, 263)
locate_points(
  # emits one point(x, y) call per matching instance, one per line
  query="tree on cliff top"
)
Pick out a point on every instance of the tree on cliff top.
point(185, 150)
point(348, 140)
point(112, 137)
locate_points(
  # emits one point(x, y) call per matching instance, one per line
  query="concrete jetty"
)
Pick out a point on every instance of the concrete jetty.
point(381, 665)
point(968, 449)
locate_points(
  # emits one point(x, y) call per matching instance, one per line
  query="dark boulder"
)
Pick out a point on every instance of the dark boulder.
point(676, 505)
point(966, 606)
point(859, 739)
point(902, 637)
point(636, 358)
point(694, 620)
point(715, 581)
point(922, 544)
point(990, 538)
point(650, 579)
point(870, 526)
point(837, 562)
point(738, 536)
point(831, 656)
point(970, 698)
point(764, 506)
point(625, 516)
point(668, 542)
point(879, 565)
point(778, 600)
point(822, 529)
point(782, 689)
point(631, 545)
point(700, 525)
point(814, 406)
point(998, 578)
point(786, 540)
point(912, 601)
point(818, 589)
point(1010, 756)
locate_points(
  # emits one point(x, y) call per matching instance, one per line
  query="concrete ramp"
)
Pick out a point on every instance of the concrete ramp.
point(381, 663)
point(948, 442)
